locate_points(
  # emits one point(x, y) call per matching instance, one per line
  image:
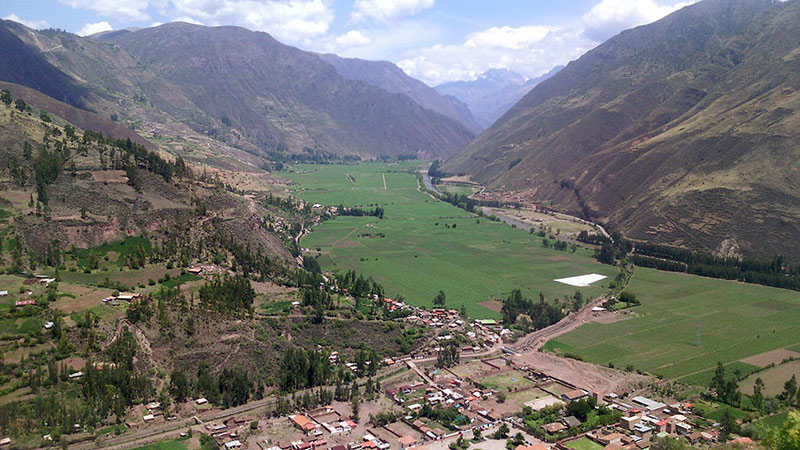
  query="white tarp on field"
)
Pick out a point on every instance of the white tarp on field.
point(582, 280)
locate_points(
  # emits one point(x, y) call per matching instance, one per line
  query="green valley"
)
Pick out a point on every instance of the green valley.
point(424, 245)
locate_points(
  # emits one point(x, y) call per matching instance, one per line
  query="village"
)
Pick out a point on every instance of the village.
point(490, 397)
point(488, 401)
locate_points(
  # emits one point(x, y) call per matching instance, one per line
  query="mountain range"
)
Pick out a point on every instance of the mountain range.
point(493, 93)
point(389, 77)
point(685, 131)
point(240, 87)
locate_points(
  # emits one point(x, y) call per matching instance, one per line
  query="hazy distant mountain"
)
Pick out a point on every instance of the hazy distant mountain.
point(389, 77)
point(493, 93)
point(230, 83)
point(685, 131)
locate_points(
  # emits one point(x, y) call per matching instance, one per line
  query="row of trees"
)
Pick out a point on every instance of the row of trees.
point(772, 272)
point(360, 212)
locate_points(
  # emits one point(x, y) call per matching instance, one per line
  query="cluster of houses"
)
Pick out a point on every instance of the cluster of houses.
point(227, 433)
point(325, 428)
point(644, 418)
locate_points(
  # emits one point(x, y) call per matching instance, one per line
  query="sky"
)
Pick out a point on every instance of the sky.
point(435, 41)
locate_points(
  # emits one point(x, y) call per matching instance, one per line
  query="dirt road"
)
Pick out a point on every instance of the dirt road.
point(171, 430)
point(585, 375)
point(535, 340)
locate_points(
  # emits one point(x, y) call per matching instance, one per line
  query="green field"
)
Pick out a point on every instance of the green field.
point(456, 189)
point(120, 248)
point(423, 245)
point(583, 443)
point(175, 444)
point(686, 324)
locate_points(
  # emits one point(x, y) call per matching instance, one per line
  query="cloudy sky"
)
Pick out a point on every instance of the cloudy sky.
point(433, 40)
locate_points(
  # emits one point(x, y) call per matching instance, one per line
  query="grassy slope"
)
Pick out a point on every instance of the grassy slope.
point(686, 324)
point(476, 260)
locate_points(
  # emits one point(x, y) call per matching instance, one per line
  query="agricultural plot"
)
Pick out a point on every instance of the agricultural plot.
point(686, 324)
point(424, 245)
point(773, 378)
point(457, 189)
point(176, 444)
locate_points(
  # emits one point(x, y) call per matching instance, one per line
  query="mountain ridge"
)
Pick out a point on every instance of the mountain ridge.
point(666, 131)
point(243, 88)
point(493, 93)
point(388, 76)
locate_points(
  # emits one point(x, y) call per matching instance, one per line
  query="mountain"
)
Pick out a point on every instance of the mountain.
point(391, 78)
point(685, 131)
point(493, 93)
point(243, 88)
point(102, 189)
point(20, 63)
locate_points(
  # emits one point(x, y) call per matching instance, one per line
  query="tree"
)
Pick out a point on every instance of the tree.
point(789, 390)
point(758, 394)
point(133, 177)
point(476, 435)
point(440, 299)
point(787, 436)
point(718, 382)
point(179, 385)
point(5, 97)
point(728, 425)
point(355, 405)
point(669, 443)
point(607, 254)
point(501, 433)
point(580, 409)
point(21, 105)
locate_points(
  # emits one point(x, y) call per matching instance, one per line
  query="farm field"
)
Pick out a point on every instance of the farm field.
point(457, 189)
point(773, 378)
point(176, 444)
point(686, 324)
point(424, 245)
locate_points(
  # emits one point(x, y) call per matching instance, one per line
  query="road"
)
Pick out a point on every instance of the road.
point(535, 340)
point(170, 430)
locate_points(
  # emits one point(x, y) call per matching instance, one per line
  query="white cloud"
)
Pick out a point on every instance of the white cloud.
point(121, 9)
point(609, 17)
point(289, 21)
point(531, 51)
point(92, 28)
point(508, 37)
point(35, 24)
point(383, 10)
point(353, 38)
